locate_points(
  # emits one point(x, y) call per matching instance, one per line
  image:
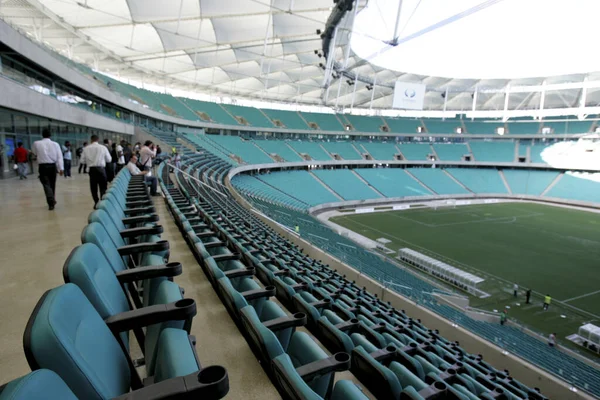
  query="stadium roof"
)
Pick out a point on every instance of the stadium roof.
point(265, 49)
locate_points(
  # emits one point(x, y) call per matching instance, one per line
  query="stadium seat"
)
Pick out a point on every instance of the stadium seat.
point(67, 335)
point(37, 385)
point(88, 268)
point(96, 233)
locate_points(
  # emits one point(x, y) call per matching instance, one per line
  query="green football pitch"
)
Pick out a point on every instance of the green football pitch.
point(549, 249)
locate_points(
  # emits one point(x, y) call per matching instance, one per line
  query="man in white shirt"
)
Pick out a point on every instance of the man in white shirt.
point(134, 170)
point(95, 156)
point(147, 153)
point(50, 159)
point(120, 156)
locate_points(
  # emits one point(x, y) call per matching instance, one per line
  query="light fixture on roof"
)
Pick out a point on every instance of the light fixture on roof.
point(369, 87)
point(500, 130)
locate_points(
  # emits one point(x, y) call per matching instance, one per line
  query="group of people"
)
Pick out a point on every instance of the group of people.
point(545, 306)
point(100, 161)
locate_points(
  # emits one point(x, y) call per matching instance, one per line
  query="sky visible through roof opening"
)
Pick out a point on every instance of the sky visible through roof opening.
point(492, 39)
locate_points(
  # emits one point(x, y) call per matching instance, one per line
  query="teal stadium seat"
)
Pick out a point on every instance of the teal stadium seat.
point(480, 180)
point(450, 151)
point(363, 123)
point(252, 115)
point(289, 119)
point(279, 147)
point(529, 182)
point(345, 150)
point(313, 149)
point(379, 151)
point(416, 151)
point(404, 125)
point(324, 122)
point(66, 335)
point(436, 180)
point(346, 184)
point(393, 182)
point(493, 151)
point(41, 384)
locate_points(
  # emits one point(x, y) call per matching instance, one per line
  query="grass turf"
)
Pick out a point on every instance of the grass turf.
point(550, 249)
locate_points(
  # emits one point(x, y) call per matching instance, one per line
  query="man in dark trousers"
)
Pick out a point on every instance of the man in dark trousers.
point(96, 156)
point(50, 160)
point(527, 296)
point(79, 153)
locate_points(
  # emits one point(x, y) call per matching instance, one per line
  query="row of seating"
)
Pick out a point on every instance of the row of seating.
point(255, 151)
point(228, 114)
point(392, 355)
point(117, 281)
point(511, 339)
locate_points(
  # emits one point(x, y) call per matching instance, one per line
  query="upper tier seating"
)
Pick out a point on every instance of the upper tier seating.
point(482, 128)
point(528, 182)
point(289, 119)
point(393, 182)
point(416, 151)
point(280, 148)
point(325, 122)
point(346, 184)
point(579, 186)
point(346, 150)
point(404, 125)
point(450, 151)
point(479, 180)
point(313, 149)
point(362, 123)
point(523, 128)
point(379, 151)
point(260, 189)
point(213, 111)
point(536, 153)
point(437, 180)
point(438, 126)
point(302, 184)
point(493, 151)
point(245, 149)
point(253, 116)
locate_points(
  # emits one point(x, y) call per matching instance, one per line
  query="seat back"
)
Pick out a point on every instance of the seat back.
point(263, 339)
point(96, 233)
point(37, 385)
point(67, 335)
point(102, 217)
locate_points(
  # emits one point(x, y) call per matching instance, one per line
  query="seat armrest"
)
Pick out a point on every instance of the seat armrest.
point(137, 248)
point(289, 321)
point(210, 383)
point(140, 219)
point(238, 273)
point(140, 210)
point(135, 232)
point(153, 271)
point(180, 310)
point(336, 363)
point(268, 291)
point(138, 203)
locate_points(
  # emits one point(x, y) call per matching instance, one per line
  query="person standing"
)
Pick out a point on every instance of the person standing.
point(134, 170)
point(547, 301)
point(515, 290)
point(120, 156)
point(50, 160)
point(79, 153)
point(527, 296)
point(21, 159)
point(177, 161)
point(67, 158)
point(110, 166)
point(127, 152)
point(552, 340)
point(96, 156)
point(503, 317)
point(147, 153)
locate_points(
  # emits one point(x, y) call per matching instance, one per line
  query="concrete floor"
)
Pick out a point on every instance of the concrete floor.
point(35, 242)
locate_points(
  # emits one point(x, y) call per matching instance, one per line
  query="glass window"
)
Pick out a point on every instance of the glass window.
point(6, 122)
